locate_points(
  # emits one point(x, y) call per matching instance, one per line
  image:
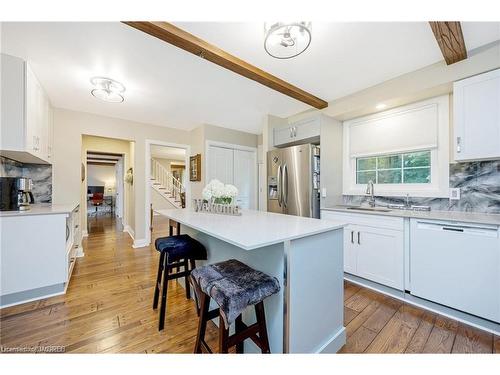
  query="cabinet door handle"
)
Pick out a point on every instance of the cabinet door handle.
point(459, 145)
point(352, 236)
point(295, 131)
point(291, 132)
point(359, 239)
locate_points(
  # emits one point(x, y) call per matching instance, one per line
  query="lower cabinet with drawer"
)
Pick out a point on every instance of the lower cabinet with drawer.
point(373, 247)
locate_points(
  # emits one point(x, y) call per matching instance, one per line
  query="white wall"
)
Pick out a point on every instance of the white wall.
point(101, 175)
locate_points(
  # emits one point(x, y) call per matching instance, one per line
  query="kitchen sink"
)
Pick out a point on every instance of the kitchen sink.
point(375, 209)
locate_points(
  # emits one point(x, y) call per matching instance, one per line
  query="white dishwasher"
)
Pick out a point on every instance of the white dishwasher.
point(457, 265)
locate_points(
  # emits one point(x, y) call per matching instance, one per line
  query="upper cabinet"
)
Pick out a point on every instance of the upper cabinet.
point(476, 102)
point(303, 131)
point(26, 114)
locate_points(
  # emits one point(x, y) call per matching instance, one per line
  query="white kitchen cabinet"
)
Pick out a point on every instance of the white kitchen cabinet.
point(38, 252)
point(236, 167)
point(26, 114)
point(476, 108)
point(350, 253)
point(373, 247)
point(380, 255)
point(307, 130)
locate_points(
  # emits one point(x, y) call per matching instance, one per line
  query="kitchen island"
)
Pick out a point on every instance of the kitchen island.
point(304, 254)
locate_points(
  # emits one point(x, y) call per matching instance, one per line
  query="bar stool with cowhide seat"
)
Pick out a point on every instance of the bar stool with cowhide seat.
point(233, 286)
point(176, 251)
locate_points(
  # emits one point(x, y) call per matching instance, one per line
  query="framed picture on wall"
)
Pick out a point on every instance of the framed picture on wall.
point(195, 168)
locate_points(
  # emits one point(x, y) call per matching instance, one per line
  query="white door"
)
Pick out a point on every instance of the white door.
point(245, 178)
point(380, 255)
point(221, 164)
point(350, 249)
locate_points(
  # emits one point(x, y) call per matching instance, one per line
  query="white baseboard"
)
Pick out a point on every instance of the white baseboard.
point(335, 343)
point(79, 252)
point(129, 230)
point(85, 233)
point(140, 243)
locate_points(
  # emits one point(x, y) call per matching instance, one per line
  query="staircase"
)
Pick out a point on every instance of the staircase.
point(166, 184)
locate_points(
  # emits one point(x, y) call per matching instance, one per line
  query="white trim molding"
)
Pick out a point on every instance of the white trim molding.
point(140, 243)
point(440, 155)
point(129, 230)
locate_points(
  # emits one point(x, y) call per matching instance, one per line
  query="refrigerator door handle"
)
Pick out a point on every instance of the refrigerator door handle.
point(279, 185)
point(285, 186)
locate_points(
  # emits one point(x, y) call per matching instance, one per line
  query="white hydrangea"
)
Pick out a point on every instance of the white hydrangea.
point(216, 189)
point(231, 191)
point(207, 193)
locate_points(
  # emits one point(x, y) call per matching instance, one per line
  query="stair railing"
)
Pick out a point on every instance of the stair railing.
point(167, 180)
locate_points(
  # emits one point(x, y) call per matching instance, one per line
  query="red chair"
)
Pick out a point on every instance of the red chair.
point(97, 200)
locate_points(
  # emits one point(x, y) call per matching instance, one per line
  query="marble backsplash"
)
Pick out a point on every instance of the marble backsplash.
point(41, 175)
point(479, 184)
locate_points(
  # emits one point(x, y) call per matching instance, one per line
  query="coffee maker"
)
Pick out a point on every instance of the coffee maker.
point(15, 193)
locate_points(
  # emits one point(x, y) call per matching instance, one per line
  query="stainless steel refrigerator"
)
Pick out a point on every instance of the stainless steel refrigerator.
point(293, 180)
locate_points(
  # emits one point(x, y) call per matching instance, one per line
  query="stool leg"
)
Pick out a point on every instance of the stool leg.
point(238, 328)
point(202, 322)
point(186, 280)
point(261, 320)
point(158, 280)
point(223, 336)
point(163, 306)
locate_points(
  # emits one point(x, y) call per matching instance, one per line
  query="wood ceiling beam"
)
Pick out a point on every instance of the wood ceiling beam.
point(100, 163)
point(450, 40)
point(190, 43)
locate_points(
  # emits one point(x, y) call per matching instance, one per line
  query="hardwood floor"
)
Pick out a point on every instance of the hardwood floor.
point(107, 309)
point(379, 324)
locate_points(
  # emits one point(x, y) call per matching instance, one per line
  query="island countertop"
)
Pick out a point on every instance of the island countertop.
point(253, 229)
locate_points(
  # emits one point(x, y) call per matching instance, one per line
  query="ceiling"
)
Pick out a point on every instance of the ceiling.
point(102, 158)
point(170, 87)
point(171, 153)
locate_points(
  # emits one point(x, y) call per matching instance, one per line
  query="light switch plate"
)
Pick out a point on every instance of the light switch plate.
point(454, 194)
point(323, 192)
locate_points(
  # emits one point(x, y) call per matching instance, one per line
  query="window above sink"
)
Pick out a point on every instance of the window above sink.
point(404, 150)
point(402, 168)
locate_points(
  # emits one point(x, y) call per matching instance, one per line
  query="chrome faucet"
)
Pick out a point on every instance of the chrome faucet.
point(371, 192)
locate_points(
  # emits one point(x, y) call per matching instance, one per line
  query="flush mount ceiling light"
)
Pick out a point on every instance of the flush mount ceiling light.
point(285, 40)
point(107, 89)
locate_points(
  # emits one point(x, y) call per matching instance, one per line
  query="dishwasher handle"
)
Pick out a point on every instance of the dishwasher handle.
point(478, 230)
point(453, 229)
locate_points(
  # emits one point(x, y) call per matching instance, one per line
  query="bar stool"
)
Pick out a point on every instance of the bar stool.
point(233, 286)
point(175, 252)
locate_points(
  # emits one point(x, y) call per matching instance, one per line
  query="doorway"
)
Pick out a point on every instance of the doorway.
point(167, 181)
point(104, 186)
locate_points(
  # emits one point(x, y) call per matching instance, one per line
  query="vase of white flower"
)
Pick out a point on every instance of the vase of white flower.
point(219, 193)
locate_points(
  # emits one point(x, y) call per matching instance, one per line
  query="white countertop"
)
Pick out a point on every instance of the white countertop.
point(42, 209)
point(253, 229)
point(466, 217)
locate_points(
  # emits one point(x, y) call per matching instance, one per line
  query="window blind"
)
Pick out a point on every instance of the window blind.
point(408, 130)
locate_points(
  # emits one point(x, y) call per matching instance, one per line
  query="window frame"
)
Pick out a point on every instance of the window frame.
point(440, 157)
point(401, 168)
